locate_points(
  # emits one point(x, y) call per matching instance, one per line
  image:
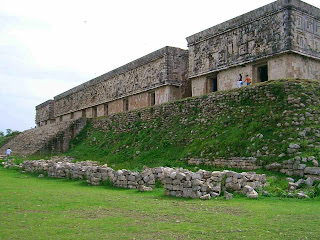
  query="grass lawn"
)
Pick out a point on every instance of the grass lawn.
point(45, 208)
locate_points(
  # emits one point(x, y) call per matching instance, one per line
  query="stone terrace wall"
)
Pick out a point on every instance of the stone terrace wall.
point(177, 182)
point(275, 28)
point(52, 138)
point(167, 66)
point(219, 105)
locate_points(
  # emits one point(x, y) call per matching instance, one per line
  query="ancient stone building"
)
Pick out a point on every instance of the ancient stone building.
point(156, 78)
point(44, 113)
point(279, 40)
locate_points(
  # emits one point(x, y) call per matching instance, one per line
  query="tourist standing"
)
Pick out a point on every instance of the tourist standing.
point(240, 82)
point(8, 153)
point(248, 80)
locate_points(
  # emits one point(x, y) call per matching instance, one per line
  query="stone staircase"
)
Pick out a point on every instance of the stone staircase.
point(52, 138)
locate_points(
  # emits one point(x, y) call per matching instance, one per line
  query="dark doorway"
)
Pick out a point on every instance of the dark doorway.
point(152, 96)
point(214, 84)
point(94, 112)
point(263, 73)
point(83, 114)
point(106, 109)
point(125, 104)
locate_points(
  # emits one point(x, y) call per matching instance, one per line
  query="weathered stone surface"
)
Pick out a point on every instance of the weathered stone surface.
point(44, 113)
point(142, 74)
point(228, 195)
point(143, 188)
point(312, 170)
point(206, 197)
point(253, 194)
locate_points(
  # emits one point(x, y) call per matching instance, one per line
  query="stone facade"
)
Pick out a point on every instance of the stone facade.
point(279, 40)
point(45, 113)
point(253, 43)
point(156, 78)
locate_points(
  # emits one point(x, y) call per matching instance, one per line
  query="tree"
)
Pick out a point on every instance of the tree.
point(9, 131)
point(1, 134)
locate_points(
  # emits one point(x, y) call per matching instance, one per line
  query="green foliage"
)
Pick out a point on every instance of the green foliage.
point(4, 139)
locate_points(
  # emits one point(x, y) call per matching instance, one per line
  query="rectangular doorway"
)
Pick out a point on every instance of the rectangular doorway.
point(125, 104)
point(263, 73)
point(215, 84)
point(106, 109)
point(94, 112)
point(212, 84)
point(152, 98)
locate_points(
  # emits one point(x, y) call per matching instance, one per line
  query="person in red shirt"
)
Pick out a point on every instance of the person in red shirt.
point(248, 80)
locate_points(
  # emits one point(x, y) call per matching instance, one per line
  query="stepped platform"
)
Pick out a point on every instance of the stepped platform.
point(52, 138)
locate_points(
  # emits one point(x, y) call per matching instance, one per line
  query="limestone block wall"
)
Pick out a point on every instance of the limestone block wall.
point(139, 100)
point(286, 65)
point(167, 66)
point(115, 106)
point(293, 66)
point(45, 113)
point(167, 94)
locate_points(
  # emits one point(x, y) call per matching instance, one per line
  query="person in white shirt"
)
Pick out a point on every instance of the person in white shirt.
point(8, 153)
point(240, 82)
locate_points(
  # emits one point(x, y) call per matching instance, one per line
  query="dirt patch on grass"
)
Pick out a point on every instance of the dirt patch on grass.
point(97, 213)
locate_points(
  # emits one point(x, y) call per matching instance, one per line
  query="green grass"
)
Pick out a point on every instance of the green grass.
point(33, 208)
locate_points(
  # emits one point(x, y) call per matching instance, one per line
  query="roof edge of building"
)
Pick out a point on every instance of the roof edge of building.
point(251, 16)
point(120, 70)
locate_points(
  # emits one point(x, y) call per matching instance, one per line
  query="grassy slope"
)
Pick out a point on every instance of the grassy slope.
point(33, 208)
point(155, 143)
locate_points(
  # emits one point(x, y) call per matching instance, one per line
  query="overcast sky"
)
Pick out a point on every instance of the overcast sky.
point(48, 47)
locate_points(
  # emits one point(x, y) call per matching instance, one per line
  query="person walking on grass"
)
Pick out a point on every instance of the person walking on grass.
point(8, 153)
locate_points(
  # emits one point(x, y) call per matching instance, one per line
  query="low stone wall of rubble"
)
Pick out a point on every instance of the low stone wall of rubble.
point(204, 184)
point(250, 163)
point(177, 182)
point(302, 167)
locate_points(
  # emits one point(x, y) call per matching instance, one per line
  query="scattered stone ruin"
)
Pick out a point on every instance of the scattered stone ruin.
point(178, 182)
point(279, 40)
